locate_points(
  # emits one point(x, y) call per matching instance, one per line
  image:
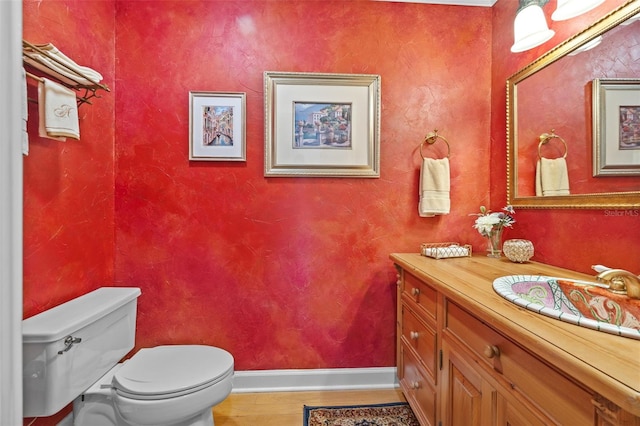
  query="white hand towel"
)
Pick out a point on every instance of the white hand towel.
point(552, 177)
point(25, 114)
point(58, 111)
point(434, 187)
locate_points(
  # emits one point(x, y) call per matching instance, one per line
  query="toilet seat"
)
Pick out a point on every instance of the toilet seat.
point(170, 371)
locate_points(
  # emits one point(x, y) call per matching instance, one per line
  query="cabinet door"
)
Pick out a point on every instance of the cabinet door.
point(511, 412)
point(473, 396)
point(468, 400)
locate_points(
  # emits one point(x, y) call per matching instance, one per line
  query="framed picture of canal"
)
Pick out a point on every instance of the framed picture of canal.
point(322, 125)
point(217, 126)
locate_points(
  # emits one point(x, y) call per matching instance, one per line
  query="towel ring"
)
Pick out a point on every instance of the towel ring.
point(431, 138)
point(546, 137)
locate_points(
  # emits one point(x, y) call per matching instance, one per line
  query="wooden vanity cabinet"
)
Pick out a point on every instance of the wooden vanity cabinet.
point(457, 368)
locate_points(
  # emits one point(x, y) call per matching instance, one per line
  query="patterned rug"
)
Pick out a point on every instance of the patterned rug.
point(393, 414)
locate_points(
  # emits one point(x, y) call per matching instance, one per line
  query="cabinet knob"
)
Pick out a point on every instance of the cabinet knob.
point(415, 385)
point(414, 335)
point(491, 351)
point(415, 291)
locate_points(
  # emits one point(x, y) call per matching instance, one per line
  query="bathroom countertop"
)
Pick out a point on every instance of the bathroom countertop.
point(605, 363)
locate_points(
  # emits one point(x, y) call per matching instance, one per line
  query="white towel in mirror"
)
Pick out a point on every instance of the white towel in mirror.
point(552, 177)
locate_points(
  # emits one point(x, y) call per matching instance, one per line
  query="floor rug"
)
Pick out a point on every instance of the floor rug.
point(393, 414)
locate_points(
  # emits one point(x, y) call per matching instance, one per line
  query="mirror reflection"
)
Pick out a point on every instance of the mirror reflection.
point(551, 119)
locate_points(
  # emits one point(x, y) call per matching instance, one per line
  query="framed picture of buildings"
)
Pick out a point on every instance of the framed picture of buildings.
point(322, 125)
point(217, 126)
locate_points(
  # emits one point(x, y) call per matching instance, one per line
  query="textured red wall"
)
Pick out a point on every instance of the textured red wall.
point(574, 239)
point(288, 272)
point(68, 186)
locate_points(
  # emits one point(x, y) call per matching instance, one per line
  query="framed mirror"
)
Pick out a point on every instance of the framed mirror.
point(556, 113)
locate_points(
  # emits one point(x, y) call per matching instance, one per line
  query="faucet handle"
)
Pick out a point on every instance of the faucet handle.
point(600, 268)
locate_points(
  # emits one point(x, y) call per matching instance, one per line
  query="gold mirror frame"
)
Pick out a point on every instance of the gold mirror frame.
point(625, 200)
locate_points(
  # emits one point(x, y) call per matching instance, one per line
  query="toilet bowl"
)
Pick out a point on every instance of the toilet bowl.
point(73, 352)
point(164, 385)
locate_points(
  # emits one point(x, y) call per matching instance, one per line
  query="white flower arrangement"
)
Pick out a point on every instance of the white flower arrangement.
point(488, 221)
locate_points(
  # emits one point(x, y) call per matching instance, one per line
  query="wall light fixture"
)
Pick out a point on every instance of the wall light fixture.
point(568, 9)
point(530, 27)
point(587, 46)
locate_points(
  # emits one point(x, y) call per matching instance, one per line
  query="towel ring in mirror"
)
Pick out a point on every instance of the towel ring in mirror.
point(546, 137)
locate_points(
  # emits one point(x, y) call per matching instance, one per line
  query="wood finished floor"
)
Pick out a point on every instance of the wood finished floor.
point(285, 408)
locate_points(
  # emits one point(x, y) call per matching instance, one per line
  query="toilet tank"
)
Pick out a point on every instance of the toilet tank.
point(55, 373)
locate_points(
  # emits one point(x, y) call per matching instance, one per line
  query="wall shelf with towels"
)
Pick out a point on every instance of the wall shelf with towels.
point(63, 70)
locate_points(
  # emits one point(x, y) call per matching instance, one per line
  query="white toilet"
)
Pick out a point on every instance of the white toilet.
point(72, 353)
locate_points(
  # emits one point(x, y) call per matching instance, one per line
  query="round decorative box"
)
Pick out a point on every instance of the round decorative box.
point(518, 250)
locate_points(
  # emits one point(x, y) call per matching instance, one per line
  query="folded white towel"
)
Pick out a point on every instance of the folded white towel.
point(443, 252)
point(434, 187)
point(552, 177)
point(63, 66)
point(25, 114)
point(58, 111)
point(89, 72)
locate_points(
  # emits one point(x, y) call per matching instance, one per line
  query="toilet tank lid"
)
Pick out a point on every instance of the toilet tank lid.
point(71, 316)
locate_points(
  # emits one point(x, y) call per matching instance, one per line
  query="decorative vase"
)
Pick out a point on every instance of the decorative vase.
point(518, 251)
point(494, 244)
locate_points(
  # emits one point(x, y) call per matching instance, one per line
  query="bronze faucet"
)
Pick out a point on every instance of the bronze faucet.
point(619, 281)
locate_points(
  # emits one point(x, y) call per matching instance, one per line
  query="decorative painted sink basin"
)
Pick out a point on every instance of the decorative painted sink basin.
point(582, 303)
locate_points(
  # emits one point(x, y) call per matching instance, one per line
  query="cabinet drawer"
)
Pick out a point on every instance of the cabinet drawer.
point(421, 338)
point(418, 389)
point(518, 370)
point(422, 294)
point(473, 333)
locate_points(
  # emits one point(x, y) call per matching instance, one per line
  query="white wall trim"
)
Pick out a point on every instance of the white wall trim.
point(10, 213)
point(315, 379)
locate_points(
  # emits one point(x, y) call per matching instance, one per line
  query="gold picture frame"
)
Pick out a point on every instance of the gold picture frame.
point(616, 127)
point(322, 125)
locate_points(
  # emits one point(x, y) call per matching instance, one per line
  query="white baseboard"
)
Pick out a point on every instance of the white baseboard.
point(315, 379)
point(306, 380)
